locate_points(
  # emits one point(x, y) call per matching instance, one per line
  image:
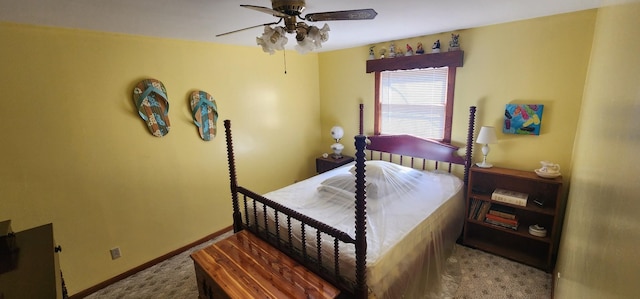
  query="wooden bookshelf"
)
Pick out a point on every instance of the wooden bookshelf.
point(518, 245)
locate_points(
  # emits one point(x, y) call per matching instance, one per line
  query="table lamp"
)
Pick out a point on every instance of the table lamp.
point(337, 133)
point(486, 136)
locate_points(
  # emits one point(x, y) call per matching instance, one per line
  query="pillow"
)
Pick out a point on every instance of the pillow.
point(346, 184)
point(383, 171)
point(340, 189)
point(382, 179)
point(390, 178)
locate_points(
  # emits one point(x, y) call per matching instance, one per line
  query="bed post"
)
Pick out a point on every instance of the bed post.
point(237, 220)
point(361, 220)
point(469, 154)
point(361, 128)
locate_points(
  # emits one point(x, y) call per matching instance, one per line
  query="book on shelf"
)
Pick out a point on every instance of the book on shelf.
point(482, 211)
point(513, 222)
point(501, 224)
point(478, 209)
point(473, 208)
point(503, 211)
point(509, 196)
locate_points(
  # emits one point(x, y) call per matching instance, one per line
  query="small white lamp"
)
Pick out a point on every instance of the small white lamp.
point(486, 136)
point(337, 133)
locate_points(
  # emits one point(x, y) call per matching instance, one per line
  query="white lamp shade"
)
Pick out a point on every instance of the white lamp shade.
point(487, 135)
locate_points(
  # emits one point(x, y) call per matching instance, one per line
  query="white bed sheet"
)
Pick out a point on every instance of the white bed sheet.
point(408, 236)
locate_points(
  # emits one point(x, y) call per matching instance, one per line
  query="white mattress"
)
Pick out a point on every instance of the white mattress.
point(408, 235)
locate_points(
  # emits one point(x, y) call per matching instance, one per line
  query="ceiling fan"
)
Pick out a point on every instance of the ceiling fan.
point(308, 37)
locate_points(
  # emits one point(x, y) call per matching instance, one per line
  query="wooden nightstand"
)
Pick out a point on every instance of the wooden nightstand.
point(326, 164)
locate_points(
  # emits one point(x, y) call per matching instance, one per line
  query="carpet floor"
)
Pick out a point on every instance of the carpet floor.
point(475, 275)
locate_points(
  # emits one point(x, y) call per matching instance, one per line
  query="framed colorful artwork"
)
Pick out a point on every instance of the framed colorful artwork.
point(522, 119)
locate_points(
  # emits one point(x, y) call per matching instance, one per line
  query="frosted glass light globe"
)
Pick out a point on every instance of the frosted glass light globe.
point(337, 132)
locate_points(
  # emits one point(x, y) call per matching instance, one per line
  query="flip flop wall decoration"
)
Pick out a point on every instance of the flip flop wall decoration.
point(150, 97)
point(205, 114)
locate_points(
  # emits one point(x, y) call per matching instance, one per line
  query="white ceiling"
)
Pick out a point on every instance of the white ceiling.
point(201, 20)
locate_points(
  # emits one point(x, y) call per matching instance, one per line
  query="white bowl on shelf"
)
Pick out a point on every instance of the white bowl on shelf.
point(537, 231)
point(547, 175)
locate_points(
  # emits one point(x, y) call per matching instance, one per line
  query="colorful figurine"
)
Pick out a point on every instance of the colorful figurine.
point(436, 47)
point(454, 44)
point(420, 49)
point(409, 51)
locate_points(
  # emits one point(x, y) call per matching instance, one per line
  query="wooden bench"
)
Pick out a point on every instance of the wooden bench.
point(244, 266)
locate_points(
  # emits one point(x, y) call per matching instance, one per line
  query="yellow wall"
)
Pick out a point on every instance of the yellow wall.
point(538, 61)
point(75, 152)
point(599, 253)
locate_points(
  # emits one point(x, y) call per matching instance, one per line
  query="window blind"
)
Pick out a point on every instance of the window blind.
point(413, 102)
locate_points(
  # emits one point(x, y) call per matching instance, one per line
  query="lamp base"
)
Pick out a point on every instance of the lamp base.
point(484, 165)
point(337, 150)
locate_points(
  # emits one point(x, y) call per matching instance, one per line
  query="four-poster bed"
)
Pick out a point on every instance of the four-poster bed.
point(405, 219)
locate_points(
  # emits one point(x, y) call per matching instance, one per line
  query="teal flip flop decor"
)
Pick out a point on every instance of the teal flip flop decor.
point(150, 97)
point(205, 114)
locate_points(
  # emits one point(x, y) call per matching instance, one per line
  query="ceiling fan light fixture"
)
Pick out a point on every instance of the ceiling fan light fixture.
point(319, 35)
point(305, 46)
point(309, 38)
point(272, 39)
point(290, 7)
point(302, 30)
point(313, 40)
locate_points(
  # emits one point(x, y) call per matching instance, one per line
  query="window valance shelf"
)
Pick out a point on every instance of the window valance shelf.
point(451, 59)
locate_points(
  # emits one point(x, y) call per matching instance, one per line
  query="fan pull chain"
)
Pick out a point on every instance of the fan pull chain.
point(284, 55)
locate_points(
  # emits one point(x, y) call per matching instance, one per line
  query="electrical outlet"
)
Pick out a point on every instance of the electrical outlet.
point(115, 253)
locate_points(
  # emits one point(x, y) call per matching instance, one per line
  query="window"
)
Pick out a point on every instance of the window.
point(414, 94)
point(414, 102)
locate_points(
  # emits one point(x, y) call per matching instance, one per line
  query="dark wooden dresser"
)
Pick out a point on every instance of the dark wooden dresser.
point(32, 271)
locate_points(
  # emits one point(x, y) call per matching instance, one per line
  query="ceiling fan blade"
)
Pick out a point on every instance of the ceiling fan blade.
point(357, 14)
point(266, 10)
point(256, 26)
